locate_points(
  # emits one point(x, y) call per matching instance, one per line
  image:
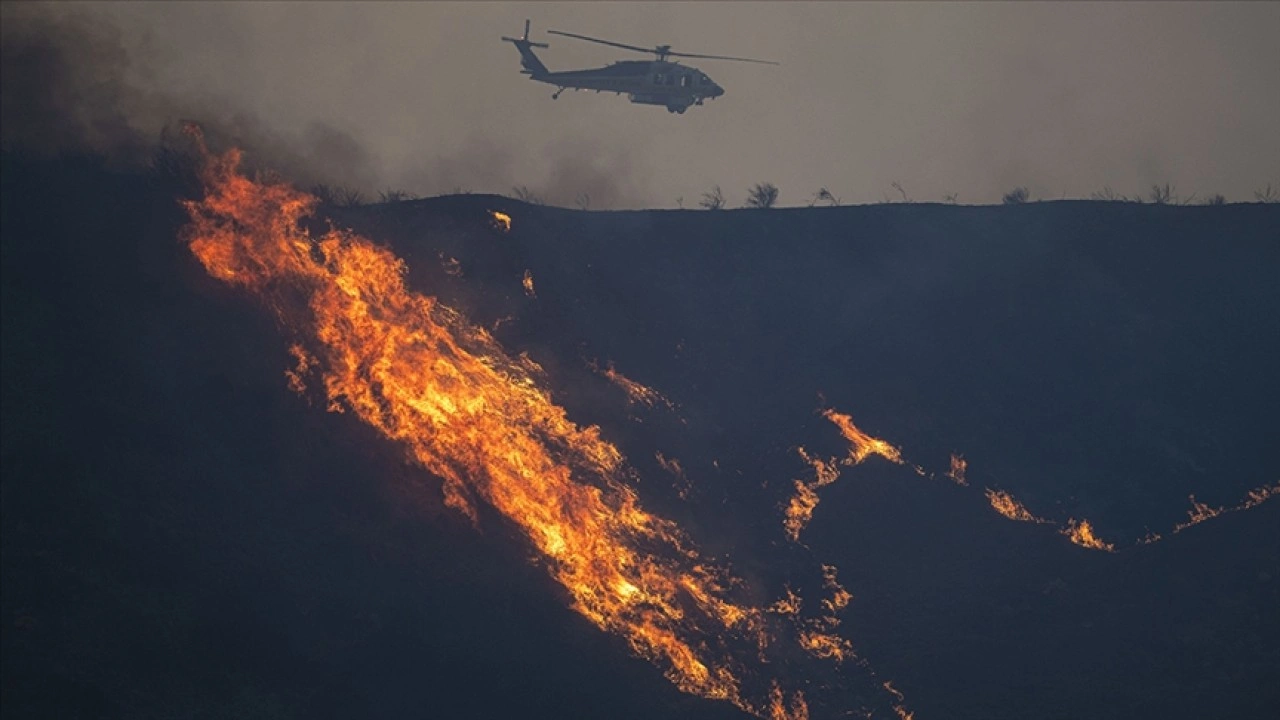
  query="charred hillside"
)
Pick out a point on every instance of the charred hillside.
point(185, 536)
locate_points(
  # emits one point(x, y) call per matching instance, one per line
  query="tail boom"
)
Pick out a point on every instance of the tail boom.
point(530, 62)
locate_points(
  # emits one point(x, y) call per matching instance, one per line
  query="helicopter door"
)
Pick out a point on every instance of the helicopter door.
point(684, 81)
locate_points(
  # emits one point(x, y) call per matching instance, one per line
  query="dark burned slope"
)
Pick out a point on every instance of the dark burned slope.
point(184, 537)
point(1099, 360)
point(1113, 352)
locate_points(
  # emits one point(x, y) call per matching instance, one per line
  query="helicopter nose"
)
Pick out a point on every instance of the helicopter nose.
point(716, 90)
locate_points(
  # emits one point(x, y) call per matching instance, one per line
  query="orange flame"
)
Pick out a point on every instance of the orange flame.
point(902, 712)
point(816, 635)
point(778, 709)
point(799, 510)
point(451, 265)
point(501, 220)
point(297, 383)
point(527, 282)
point(958, 467)
point(1257, 496)
point(825, 646)
point(1200, 512)
point(839, 596)
point(673, 466)
point(470, 414)
point(789, 605)
point(1081, 533)
point(862, 445)
point(1006, 505)
point(637, 393)
point(1151, 537)
point(800, 507)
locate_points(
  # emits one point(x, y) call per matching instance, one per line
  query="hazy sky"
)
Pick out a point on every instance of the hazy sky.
point(972, 99)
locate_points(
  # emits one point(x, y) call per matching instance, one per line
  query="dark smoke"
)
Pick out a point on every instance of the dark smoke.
point(62, 87)
point(578, 174)
point(66, 90)
point(70, 85)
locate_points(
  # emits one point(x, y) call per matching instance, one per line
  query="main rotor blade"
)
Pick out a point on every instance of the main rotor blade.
point(603, 42)
point(722, 57)
point(661, 50)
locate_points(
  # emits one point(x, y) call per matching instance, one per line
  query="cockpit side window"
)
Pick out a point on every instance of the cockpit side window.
point(684, 81)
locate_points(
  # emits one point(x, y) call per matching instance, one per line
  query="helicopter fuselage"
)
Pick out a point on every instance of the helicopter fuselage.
point(648, 82)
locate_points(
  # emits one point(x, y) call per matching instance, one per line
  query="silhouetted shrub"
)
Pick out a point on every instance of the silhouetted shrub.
point(824, 195)
point(323, 193)
point(1016, 196)
point(1215, 200)
point(1163, 194)
point(337, 195)
point(763, 195)
point(347, 197)
point(1266, 195)
point(713, 200)
point(1106, 194)
point(901, 191)
point(526, 195)
point(394, 196)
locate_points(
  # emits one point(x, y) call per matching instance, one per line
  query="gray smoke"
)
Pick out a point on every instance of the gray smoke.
point(68, 88)
point(70, 84)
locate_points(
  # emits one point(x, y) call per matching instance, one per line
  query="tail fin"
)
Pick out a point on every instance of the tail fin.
point(530, 62)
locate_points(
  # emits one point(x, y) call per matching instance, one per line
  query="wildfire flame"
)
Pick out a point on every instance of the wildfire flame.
point(958, 467)
point(1081, 533)
point(903, 713)
point(1200, 512)
point(637, 393)
point(501, 220)
point(673, 466)
point(825, 646)
point(463, 409)
point(862, 445)
point(1257, 496)
point(818, 637)
point(800, 507)
point(840, 597)
point(451, 265)
point(799, 510)
point(478, 418)
point(527, 282)
point(1006, 505)
point(788, 605)
point(305, 362)
point(779, 710)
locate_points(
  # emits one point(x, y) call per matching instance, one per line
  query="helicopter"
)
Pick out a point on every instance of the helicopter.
point(646, 82)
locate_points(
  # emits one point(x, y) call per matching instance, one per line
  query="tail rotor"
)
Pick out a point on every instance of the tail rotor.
point(533, 67)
